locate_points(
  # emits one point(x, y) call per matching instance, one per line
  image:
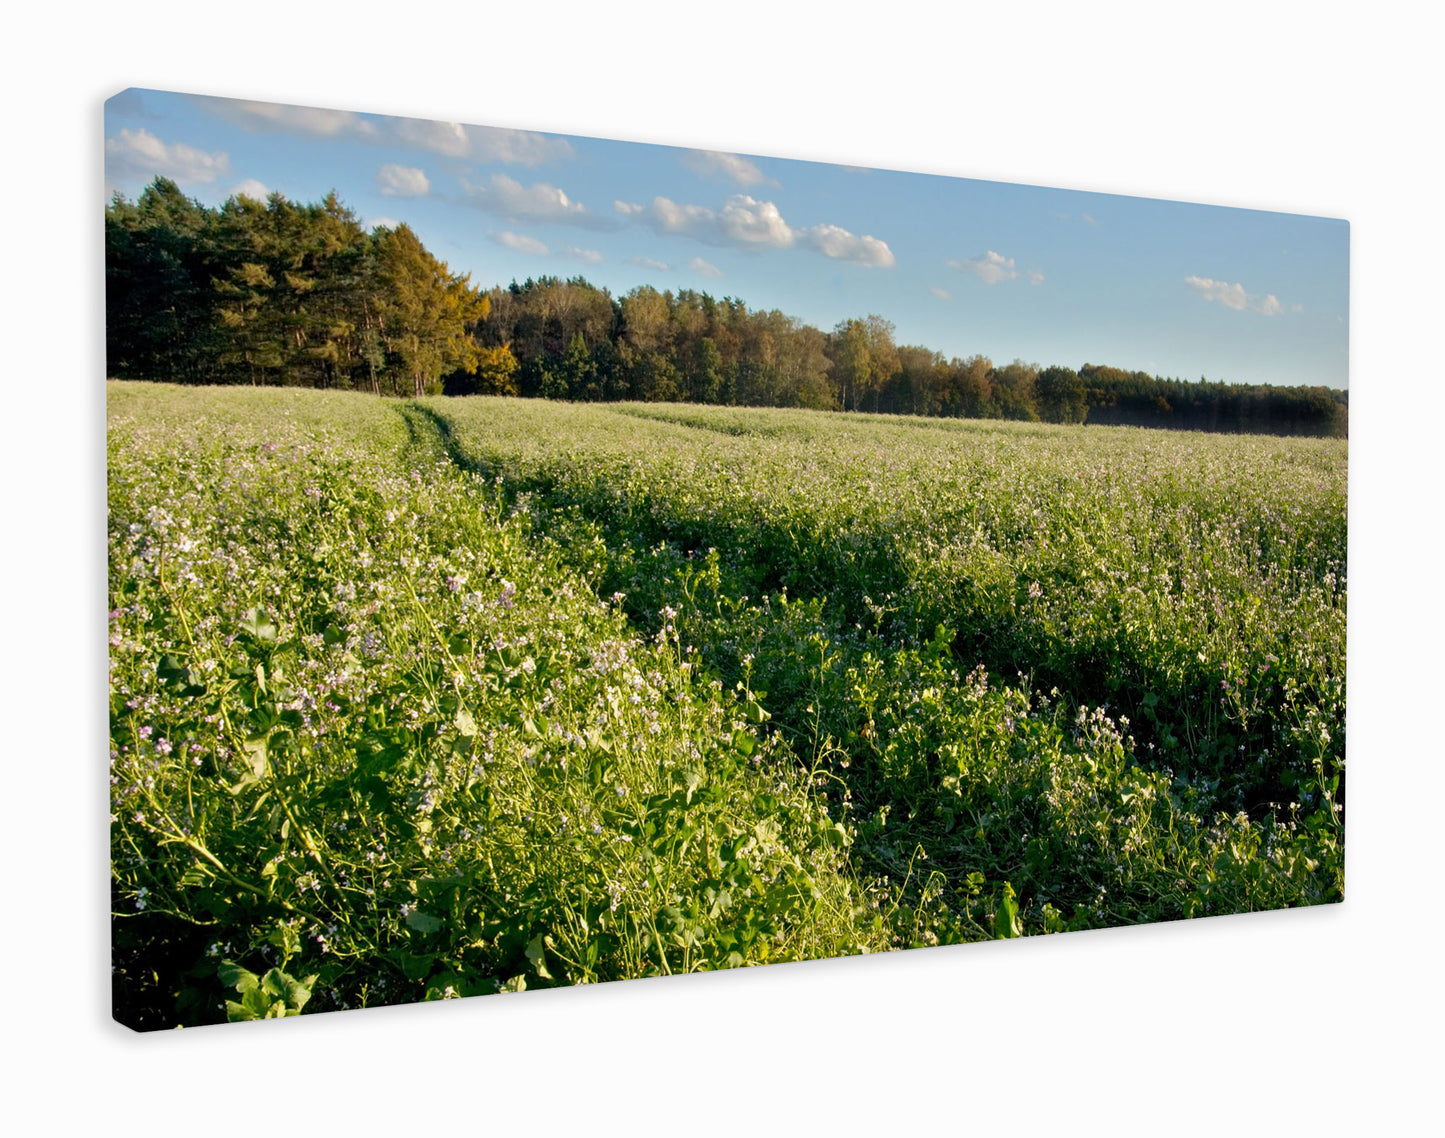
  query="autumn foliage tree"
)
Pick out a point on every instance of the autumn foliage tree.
point(425, 312)
point(864, 360)
point(279, 292)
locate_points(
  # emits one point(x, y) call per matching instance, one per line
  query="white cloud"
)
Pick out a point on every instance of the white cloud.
point(841, 245)
point(750, 222)
point(396, 181)
point(1088, 219)
point(480, 143)
point(516, 147)
point(1035, 277)
point(1231, 296)
point(541, 201)
point(523, 243)
point(448, 139)
point(941, 294)
point(383, 222)
point(587, 256)
point(747, 223)
point(453, 140)
point(519, 242)
point(704, 268)
point(314, 122)
point(649, 263)
point(140, 154)
point(989, 267)
point(1296, 308)
point(666, 216)
point(250, 188)
point(733, 167)
point(742, 221)
point(1234, 296)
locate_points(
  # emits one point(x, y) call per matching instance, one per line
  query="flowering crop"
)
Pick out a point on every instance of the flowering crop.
point(1188, 588)
point(376, 736)
point(364, 729)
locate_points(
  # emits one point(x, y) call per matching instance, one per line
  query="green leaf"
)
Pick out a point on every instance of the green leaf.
point(285, 937)
point(256, 1004)
point(415, 966)
point(234, 976)
point(256, 755)
point(835, 834)
point(298, 992)
point(538, 958)
point(466, 725)
point(423, 922)
point(239, 1012)
point(196, 876)
point(598, 740)
point(1006, 919)
point(172, 671)
point(692, 779)
point(258, 624)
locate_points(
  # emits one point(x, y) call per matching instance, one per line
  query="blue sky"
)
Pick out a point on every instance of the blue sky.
point(961, 266)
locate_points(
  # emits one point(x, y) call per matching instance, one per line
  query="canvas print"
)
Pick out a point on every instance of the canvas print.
point(540, 560)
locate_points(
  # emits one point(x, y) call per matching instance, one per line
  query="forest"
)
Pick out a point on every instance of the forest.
point(287, 294)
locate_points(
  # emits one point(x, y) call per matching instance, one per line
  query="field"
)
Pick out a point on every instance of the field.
point(421, 699)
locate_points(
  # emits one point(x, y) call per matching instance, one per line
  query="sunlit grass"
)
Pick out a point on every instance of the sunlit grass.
point(411, 700)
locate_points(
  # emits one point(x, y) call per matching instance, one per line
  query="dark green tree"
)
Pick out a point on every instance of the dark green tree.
point(159, 305)
point(1059, 395)
point(580, 371)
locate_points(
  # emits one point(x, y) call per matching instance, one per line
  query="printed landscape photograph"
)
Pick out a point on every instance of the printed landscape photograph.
point(539, 560)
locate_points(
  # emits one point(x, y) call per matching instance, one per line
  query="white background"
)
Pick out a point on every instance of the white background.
point(1325, 1019)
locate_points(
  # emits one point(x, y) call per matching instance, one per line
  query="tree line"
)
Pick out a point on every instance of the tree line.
point(283, 293)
